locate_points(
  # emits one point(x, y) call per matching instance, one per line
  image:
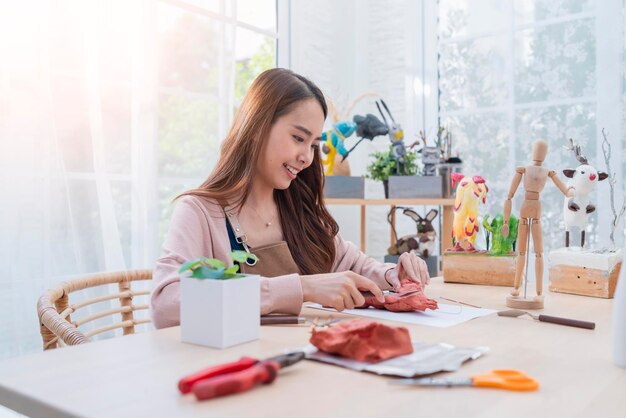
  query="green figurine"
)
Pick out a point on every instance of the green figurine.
point(500, 245)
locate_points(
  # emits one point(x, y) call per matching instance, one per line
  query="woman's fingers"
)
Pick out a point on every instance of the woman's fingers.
point(363, 283)
point(411, 267)
point(348, 302)
point(423, 270)
point(408, 266)
point(356, 296)
point(417, 271)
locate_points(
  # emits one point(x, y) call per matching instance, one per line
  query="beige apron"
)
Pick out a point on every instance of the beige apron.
point(274, 259)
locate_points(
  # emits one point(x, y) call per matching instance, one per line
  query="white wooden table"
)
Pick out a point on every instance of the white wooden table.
point(136, 375)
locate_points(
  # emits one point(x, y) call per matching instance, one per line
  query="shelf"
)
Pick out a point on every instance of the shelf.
point(391, 202)
point(446, 214)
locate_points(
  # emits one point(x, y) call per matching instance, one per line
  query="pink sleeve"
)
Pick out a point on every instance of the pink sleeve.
point(190, 236)
point(349, 257)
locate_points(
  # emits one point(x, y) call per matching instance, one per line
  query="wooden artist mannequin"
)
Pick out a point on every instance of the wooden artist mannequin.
point(535, 177)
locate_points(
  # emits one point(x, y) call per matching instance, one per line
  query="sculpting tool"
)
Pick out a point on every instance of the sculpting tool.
point(368, 294)
point(282, 320)
point(514, 313)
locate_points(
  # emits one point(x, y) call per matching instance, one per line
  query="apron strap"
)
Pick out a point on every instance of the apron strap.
point(240, 235)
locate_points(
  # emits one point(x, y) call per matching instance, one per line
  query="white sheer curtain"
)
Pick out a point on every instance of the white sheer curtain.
point(108, 110)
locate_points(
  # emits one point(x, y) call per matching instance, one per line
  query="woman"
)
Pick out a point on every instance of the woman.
point(266, 195)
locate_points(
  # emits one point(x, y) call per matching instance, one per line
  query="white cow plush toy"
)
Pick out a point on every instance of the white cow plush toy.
point(583, 180)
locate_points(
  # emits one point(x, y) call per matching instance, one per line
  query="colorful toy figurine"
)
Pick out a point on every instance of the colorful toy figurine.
point(535, 177)
point(367, 127)
point(470, 191)
point(583, 179)
point(396, 136)
point(333, 143)
point(496, 243)
point(423, 242)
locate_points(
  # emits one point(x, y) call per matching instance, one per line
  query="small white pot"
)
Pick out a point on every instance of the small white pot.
point(219, 313)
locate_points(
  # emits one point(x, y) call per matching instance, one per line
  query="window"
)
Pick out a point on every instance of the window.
point(109, 110)
point(515, 71)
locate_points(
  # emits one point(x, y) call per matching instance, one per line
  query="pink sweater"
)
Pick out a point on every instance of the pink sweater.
point(198, 228)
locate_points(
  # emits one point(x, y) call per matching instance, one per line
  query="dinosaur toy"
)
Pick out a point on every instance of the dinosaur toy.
point(499, 244)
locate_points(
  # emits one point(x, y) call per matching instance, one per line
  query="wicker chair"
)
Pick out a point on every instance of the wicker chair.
point(53, 308)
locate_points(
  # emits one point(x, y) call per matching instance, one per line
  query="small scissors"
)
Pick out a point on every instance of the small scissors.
point(500, 379)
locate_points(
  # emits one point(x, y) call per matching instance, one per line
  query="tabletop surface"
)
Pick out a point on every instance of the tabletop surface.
point(136, 375)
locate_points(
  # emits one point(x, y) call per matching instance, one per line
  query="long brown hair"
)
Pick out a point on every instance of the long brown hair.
point(307, 226)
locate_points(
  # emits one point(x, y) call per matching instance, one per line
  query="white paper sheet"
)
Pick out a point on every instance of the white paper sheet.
point(445, 316)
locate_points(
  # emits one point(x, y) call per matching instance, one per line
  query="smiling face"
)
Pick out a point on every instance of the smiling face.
point(290, 145)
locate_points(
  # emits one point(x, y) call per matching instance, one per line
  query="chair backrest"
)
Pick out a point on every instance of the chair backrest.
point(54, 309)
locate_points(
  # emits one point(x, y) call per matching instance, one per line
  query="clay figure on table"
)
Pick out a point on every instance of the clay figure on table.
point(583, 179)
point(500, 245)
point(534, 179)
point(397, 303)
point(470, 191)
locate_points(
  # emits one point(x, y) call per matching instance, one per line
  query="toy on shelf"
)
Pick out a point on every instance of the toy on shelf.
point(396, 136)
point(422, 242)
point(583, 179)
point(433, 156)
point(534, 178)
point(333, 140)
point(470, 191)
point(333, 146)
point(587, 271)
point(367, 127)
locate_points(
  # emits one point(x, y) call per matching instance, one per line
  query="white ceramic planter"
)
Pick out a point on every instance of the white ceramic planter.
point(220, 313)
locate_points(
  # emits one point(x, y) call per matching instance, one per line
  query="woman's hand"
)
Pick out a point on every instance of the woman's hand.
point(410, 267)
point(338, 290)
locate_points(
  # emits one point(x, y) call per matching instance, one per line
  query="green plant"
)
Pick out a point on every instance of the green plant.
point(211, 268)
point(385, 165)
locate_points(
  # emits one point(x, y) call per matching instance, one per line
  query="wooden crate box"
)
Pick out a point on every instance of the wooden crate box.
point(584, 272)
point(479, 268)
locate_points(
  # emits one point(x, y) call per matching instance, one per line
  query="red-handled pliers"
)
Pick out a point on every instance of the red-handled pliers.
point(226, 379)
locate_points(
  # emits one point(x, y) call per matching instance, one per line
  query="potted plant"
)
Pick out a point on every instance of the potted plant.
point(219, 307)
point(403, 182)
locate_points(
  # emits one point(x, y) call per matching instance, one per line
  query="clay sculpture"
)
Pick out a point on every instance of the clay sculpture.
point(363, 340)
point(414, 302)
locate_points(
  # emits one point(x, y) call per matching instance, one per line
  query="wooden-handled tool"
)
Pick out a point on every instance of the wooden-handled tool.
point(282, 320)
point(514, 313)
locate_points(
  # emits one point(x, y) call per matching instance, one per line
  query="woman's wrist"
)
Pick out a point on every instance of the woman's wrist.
point(305, 283)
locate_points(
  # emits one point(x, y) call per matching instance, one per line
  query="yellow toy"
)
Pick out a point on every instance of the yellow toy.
point(469, 192)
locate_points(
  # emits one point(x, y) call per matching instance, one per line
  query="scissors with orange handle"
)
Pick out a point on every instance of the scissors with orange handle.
point(499, 379)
